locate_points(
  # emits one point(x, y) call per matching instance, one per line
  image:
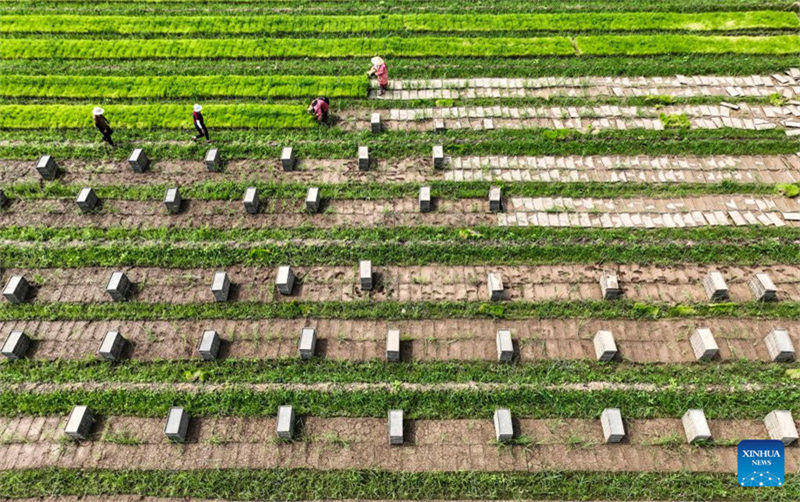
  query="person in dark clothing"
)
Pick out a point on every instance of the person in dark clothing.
point(199, 123)
point(101, 123)
point(319, 108)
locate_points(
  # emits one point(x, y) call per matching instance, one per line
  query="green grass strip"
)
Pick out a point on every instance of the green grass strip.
point(321, 142)
point(169, 116)
point(248, 371)
point(29, 48)
point(640, 45)
point(550, 309)
point(426, 22)
point(443, 190)
point(741, 236)
point(169, 87)
point(305, 484)
point(206, 255)
point(528, 402)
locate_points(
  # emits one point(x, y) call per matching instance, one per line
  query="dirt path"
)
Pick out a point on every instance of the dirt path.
point(671, 284)
point(441, 340)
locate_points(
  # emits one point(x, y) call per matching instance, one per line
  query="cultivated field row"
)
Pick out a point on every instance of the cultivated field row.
point(442, 445)
point(665, 341)
point(432, 22)
point(670, 284)
point(325, 48)
point(766, 169)
point(699, 211)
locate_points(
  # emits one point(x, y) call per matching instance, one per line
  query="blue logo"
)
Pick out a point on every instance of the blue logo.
point(761, 462)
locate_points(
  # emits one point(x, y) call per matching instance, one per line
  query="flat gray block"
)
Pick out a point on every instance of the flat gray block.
point(495, 284)
point(307, 343)
point(375, 123)
point(17, 289)
point(251, 201)
point(220, 286)
point(87, 200)
point(609, 285)
point(605, 348)
point(213, 160)
point(780, 425)
point(284, 281)
point(438, 157)
point(779, 345)
point(613, 428)
point(16, 345)
point(363, 158)
point(438, 125)
point(285, 424)
point(118, 287)
point(393, 345)
point(715, 286)
point(177, 424)
point(503, 426)
point(173, 200)
point(138, 161)
point(288, 160)
point(703, 344)
point(695, 426)
point(395, 427)
point(113, 346)
point(762, 287)
point(505, 346)
point(365, 274)
point(209, 345)
point(312, 200)
point(424, 199)
point(79, 424)
point(47, 167)
point(495, 200)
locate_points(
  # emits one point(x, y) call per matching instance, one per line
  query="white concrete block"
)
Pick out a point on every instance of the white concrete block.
point(284, 426)
point(285, 280)
point(695, 426)
point(715, 286)
point(605, 348)
point(762, 287)
point(505, 346)
point(365, 275)
point(177, 424)
point(209, 345)
point(503, 426)
point(79, 424)
point(703, 344)
point(780, 425)
point(308, 342)
point(613, 428)
point(779, 345)
point(220, 286)
point(395, 427)
point(393, 345)
point(495, 283)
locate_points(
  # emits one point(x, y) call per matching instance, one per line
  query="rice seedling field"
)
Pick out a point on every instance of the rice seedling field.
point(556, 257)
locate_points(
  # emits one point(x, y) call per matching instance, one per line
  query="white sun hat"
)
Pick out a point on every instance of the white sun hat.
point(376, 61)
point(98, 111)
point(197, 107)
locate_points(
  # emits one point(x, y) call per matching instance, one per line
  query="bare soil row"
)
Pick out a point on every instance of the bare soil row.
point(665, 341)
point(651, 283)
point(336, 443)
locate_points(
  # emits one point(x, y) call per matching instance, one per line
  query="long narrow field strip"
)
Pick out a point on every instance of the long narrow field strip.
point(600, 45)
point(168, 87)
point(168, 116)
point(512, 172)
point(354, 351)
point(517, 22)
point(409, 284)
point(308, 484)
point(437, 445)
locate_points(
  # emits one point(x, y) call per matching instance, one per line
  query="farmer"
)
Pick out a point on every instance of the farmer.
point(319, 108)
point(101, 123)
point(199, 123)
point(379, 70)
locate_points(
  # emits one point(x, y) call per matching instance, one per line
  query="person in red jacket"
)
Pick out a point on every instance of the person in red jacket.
point(381, 72)
point(101, 123)
point(199, 123)
point(319, 108)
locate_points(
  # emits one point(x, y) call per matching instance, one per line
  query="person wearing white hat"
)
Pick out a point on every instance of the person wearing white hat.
point(199, 123)
point(381, 72)
point(101, 123)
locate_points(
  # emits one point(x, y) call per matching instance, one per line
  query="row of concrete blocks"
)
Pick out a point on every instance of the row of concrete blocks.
point(87, 200)
point(609, 286)
point(704, 346)
point(779, 424)
point(48, 168)
point(761, 286)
